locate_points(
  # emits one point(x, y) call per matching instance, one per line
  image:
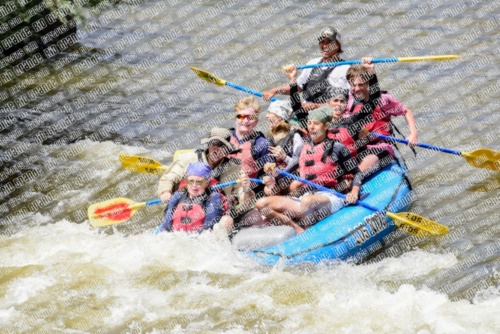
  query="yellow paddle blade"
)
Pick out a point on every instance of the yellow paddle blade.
point(424, 58)
point(113, 211)
point(483, 158)
point(178, 153)
point(417, 225)
point(207, 76)
point(141, 164)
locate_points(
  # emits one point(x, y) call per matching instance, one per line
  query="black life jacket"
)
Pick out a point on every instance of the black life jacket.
point(286, 143)
point(317, 85)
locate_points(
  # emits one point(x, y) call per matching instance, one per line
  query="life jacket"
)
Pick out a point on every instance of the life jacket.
point(247, 155)
point(287, 144)
point(377, 119)
point(316, 164)
point(213, 182)
point(317, 85)
point(341, 134)
point(188, 215)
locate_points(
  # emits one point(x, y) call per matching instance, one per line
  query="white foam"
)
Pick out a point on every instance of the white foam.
point(177, 282)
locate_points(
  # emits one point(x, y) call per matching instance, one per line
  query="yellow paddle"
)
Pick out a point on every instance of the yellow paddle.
point(118, 210)
point(140, 164)
point(212, 78)
point(480, 158)
point(408, 221)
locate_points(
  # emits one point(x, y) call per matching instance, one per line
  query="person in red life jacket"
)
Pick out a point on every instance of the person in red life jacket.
point(372, 111)
point(253, 144)
point(321, 161)
point(340, 127)
point(194, 208)
point(286, 140)
point(335, 97)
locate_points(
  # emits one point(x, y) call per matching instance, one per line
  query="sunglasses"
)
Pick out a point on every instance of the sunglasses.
point(249, 117)
point(197, 182)
point(215, 143)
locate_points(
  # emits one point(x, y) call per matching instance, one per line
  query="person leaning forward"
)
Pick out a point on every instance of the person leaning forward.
point(216, 155)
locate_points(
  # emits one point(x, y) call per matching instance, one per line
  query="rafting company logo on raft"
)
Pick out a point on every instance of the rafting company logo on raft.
point(361, 233)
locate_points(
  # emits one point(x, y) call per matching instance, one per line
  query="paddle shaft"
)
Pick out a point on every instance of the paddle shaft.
point(158, 201)
point(347, 62)
point(378, 60)
point(247, 90)
point(317, 186)
point(230, 183)
point(404, 141)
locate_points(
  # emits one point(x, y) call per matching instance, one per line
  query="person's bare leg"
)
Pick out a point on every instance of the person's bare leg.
point(367, 162)
point(281, 210)
point(311, 204)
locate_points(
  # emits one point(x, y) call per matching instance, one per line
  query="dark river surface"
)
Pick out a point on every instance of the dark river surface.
point(126, 87)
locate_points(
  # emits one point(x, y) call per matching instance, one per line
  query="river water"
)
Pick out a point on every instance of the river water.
point(126, 87)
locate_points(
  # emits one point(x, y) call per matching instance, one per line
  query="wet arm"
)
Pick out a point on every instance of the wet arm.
point(411, 122)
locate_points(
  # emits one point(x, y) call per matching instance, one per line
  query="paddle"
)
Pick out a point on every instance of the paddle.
point(380, 60)
point(141, 164)
point(118, 210)
point(146, 165)
point(480, 158)
point(408, 221)
point(209, 77)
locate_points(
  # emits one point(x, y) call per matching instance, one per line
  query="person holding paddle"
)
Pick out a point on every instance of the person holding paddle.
point(313, 83)
point(336, 98)
point(372, 112)
point(194, 208)
point(216, 156)
point(322, 161)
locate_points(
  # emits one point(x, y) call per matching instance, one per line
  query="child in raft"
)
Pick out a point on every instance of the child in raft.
point(372, 112)
point(286, 140)
point(194, 208)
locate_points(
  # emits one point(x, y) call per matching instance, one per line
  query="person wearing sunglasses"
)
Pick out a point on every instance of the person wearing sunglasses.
point(194, 208)
point(253, 144)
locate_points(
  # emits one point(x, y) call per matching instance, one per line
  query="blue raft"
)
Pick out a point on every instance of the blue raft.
point(351, 233)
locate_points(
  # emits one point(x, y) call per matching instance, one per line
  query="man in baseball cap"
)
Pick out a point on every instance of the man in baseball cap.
point(332, 35)
point(314, 83)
